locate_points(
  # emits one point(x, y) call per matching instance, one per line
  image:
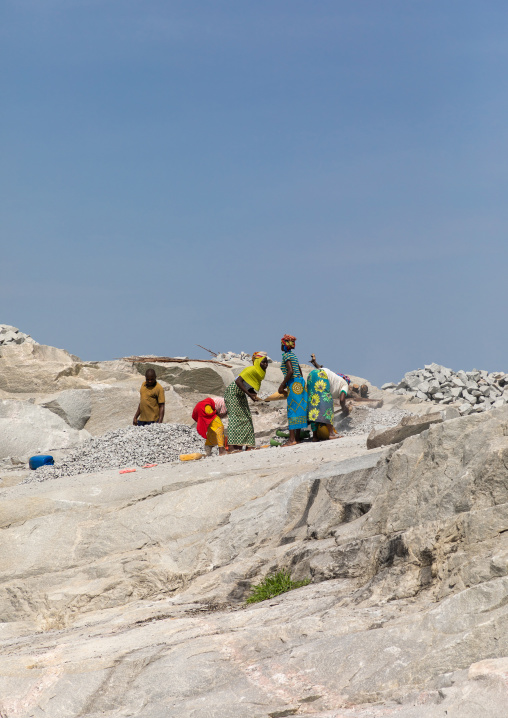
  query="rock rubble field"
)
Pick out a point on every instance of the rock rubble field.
point(471, 391)
point(124, 594)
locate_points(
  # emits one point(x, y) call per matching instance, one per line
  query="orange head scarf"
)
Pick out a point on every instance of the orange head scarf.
point(289, 341)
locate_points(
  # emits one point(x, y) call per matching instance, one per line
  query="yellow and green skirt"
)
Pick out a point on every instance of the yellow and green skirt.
point(240, 426)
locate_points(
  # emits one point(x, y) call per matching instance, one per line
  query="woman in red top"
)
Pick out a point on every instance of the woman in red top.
point(210, 426)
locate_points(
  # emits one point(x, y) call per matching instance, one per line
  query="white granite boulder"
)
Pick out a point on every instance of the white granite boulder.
point(74, 406)
point(27, 429)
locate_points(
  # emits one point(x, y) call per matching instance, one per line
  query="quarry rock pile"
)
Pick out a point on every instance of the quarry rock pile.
point(12, 335)
point(234, 357)
point(134, 446)
point(471, 391)
point(228, 356)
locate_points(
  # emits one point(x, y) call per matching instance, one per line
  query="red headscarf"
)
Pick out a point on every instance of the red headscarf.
point(204, 420)
point(288, 340)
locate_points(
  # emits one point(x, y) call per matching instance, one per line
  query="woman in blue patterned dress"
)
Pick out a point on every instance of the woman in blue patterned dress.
point(294, 383)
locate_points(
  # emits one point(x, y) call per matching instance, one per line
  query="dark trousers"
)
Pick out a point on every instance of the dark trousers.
point(146, 423)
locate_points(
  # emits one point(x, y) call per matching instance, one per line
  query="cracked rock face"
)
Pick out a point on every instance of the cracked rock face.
point(123, 595)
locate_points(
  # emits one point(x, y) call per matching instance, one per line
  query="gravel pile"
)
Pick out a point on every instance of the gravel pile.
point(125, 448)
point(364, 419)
point(472, 391)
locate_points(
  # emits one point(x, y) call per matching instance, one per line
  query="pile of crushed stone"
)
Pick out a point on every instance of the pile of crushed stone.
point(472, 391)
point(133, 447)
point(363, 419)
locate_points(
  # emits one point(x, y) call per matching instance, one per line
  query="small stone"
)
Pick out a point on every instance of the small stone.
point(413, 381)
point(465, 409)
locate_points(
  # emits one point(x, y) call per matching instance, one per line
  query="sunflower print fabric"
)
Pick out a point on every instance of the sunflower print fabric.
point(320, 400)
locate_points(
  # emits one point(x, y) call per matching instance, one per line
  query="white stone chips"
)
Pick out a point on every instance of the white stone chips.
point(134, 446)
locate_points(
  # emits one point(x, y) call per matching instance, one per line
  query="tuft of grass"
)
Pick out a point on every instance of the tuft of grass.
point(273, 585)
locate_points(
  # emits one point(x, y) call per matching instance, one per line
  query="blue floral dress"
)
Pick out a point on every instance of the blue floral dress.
point(297, 393)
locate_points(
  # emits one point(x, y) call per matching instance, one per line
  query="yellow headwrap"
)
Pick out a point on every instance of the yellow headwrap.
point(254, 375)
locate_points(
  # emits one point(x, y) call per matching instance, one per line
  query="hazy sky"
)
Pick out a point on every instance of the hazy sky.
point(224, 172)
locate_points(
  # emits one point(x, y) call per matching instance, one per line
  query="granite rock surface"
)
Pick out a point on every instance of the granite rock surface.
point(124, 595)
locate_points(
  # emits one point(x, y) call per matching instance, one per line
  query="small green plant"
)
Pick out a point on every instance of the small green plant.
point(273, 585)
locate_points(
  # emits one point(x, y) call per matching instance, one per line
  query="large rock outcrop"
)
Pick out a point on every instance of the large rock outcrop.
point(26, 429)
point(28, 368)
point(199, 377)
point(119, 594)
point(409, 426)
point(74, 406)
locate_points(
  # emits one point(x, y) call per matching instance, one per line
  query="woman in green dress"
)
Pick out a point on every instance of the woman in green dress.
point(247, 384)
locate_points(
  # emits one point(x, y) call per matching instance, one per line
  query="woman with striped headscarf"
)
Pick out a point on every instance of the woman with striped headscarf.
point(294, 383)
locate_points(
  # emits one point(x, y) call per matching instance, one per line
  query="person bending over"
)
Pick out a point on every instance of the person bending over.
point(247, 384)
point(338, 385)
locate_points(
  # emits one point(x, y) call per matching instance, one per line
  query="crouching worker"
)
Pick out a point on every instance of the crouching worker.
point(209, 425)
point(323, 386)
point(338, 384)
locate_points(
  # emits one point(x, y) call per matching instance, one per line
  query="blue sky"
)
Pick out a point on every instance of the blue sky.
point(223, 172)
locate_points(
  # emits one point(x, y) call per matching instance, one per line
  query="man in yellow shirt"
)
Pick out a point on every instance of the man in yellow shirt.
point(152, 401)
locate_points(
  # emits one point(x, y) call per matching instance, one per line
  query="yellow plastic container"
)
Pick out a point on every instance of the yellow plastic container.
point(276, 397)
point(190, 457)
